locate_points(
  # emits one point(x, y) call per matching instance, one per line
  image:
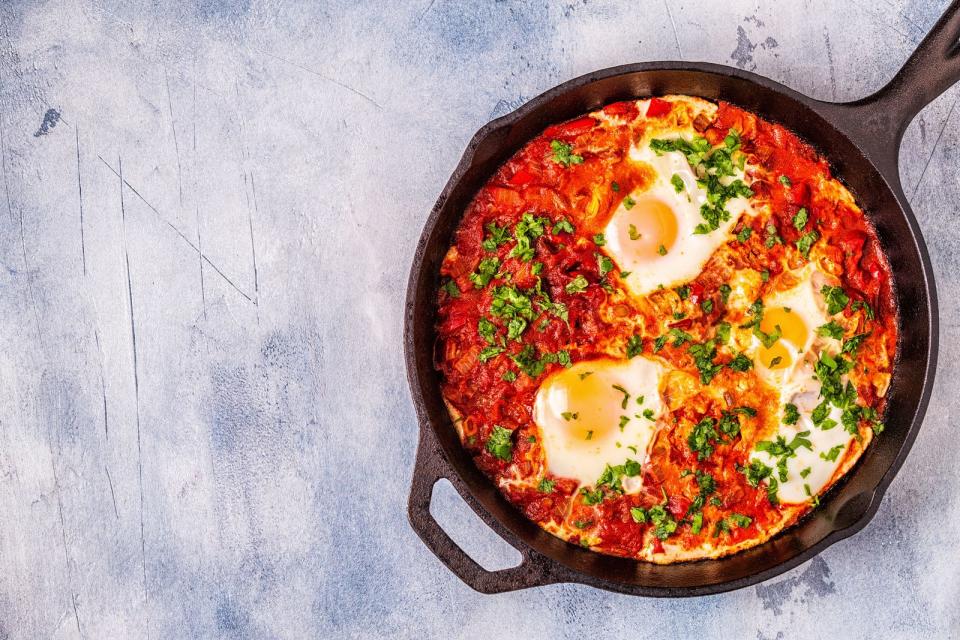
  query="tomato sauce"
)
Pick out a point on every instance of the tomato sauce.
point(485, 393)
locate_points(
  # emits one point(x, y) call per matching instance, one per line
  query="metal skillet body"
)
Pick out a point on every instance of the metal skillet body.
point(861, 141)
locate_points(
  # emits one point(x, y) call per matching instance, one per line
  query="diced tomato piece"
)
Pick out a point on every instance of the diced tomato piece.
point(628, 110)
point(522, 177)
point(678, 505)
point(658, 108)
point(570, 129)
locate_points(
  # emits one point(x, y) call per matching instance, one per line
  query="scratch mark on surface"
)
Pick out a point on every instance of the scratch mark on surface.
point(833, 71)
point(83, 249)
point(323, 77)
point(203, 292)
point(103, 386)
point(196, 210)
point(3, 153)
point(870, 10)
point(424, 12)
point(136, 379)
point(178, 232)
point(113, 496)
point(253, 244)
point(673, 23)
point(63, 538)
point(176, 145)
point(933, 149)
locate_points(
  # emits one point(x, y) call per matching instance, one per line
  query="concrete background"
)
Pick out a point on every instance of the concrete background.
point(207, 215)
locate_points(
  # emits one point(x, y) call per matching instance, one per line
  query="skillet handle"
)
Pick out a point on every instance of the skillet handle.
point(877, 123)
point(534, 569)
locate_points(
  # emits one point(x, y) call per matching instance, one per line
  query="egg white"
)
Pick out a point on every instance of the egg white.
point(797, 385)
point(690, 251)
point(578, 412)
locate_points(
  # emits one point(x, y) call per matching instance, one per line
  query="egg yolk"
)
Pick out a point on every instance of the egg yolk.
point(648, 228)
point(792, 329)
point(584, 404)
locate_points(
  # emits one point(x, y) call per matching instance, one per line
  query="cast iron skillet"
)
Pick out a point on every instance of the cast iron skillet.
point(861, 141)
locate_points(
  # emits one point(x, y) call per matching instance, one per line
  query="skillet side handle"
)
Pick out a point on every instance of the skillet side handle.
point(877, 123)
point(533, 570)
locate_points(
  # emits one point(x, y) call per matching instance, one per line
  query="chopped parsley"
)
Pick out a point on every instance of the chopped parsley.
point(487, 330)
point(604, 264)
point(485, 272)
point(703, 355)
point(725, 291)
point(664, 523)
point(790, 413)
point(450, 286)
point(626, 395)
point(562, 226)
point(677, 183)
point(744, 234)
point(546, 486)
point(599, 240)
point(835, 298)
point(628, 203)
point(526, 232)
point(662, 250)
point(498, 236)
point(577, 285)
point(702, 437)
point(785, 181)
point(830, 330)
point(563, 153)
point(723, 332)
point(806, 241)
point(711, 164)
point(800, 219)
point(488, 353)
point(500, 444)
point(740, 363)
point(831, 456)
point(860, 304)
point(634, 346)
point(853, 343)
point(683, 292)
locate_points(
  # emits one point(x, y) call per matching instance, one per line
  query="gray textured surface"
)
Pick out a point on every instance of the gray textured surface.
point(207, 216)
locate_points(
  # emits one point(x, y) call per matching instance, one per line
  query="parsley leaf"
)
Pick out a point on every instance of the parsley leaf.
point(800, 220)
point(634, 346)
point(526, 232)
point(485, 272)
point(677, 183)
point(790, 413)
point(500, 444)
point(577, 285)
point(450, 286)
point(562, 226)
point(806, 241)
point(831, 456)
point(498, 236)
point(830, 330)
point(563, 153)
point(835, 298)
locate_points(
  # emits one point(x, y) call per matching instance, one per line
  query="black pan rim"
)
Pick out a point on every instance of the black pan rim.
point(917, 247)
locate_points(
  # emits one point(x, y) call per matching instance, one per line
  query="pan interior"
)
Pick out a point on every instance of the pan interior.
point(848, 506)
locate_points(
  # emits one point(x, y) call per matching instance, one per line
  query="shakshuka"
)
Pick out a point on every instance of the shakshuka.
point(665, 329)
